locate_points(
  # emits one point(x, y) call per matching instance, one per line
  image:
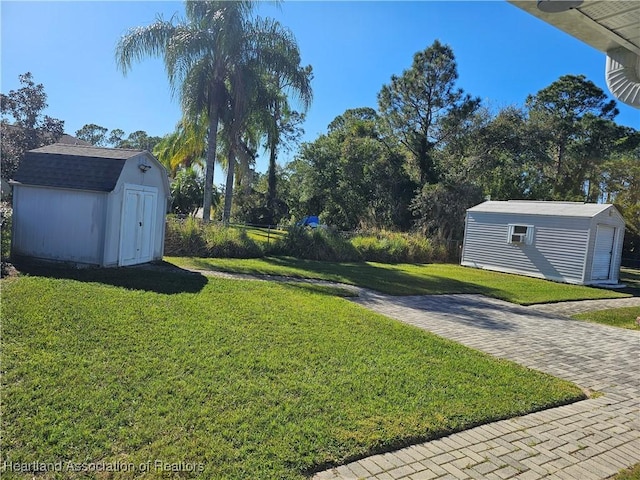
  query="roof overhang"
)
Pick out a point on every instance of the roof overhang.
point(77, 167)
point(542, 208)
point(612, 27)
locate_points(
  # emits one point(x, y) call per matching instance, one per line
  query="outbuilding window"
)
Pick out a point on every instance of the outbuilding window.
point(520, 234)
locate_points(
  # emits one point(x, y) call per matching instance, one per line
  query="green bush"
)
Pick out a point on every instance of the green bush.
point(394, 247)
point(187, 190)
point(192, 238)
point(380, 246)
point(5, 232)
point(316, 244)
point(385, 249)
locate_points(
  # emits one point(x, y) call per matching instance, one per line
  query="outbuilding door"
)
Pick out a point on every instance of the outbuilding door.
point(137, 230)
point(603, 252)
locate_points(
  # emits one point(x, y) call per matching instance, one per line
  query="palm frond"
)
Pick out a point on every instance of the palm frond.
point(143, 42)
point(276, 51)
point(185, 146)
point(234, 72)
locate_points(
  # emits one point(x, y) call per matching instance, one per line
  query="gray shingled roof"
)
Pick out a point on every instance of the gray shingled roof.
point(73, 166)
point(71, 140)
point(88, 151)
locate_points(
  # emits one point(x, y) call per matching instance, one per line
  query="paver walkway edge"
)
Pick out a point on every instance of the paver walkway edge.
point(591, 440)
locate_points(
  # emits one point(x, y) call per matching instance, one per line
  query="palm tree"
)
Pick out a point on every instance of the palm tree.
point(282, 126)
point(185, 147)
point(269, 67)
point(278, 122)
point(200, 54)
point(217, 60)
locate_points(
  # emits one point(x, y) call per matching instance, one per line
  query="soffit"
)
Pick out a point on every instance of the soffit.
point(603, 24)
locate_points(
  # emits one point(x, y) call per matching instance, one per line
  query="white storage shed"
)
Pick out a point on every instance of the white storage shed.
point(89, 205)
point(568, 242)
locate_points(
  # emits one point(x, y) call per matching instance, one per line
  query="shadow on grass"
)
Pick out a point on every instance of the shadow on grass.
point(385, 280)
point(160, 277)
point(630, 277)
point(475, 312)
point(463, 310)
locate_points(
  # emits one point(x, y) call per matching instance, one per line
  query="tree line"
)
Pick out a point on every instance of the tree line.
point(416, 162)
point(24, 127)
point(117, 138)
point(430, 151)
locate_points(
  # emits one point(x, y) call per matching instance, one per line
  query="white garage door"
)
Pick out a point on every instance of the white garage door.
point(603, 253)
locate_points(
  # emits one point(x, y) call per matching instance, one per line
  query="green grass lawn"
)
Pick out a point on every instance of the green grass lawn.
point(262, 235)
point(251, 379)
point(624, 317)
point(406, 279)
point(632, 473)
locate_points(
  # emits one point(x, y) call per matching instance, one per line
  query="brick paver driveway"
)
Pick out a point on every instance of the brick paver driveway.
point(590, 440)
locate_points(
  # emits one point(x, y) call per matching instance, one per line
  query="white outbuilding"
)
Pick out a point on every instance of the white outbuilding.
point(569, 242)
point(89, 205)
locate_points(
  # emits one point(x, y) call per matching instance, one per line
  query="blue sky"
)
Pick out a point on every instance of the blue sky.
point(503, 55)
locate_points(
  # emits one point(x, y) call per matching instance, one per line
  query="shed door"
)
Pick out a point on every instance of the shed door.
point(603, 252)
point(137, 228)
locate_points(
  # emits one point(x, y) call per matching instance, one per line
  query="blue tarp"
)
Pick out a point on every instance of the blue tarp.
point(309, 221)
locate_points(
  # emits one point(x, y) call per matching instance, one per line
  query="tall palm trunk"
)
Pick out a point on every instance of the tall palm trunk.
point(272, 182)
point(212, 145)
point(228, 191)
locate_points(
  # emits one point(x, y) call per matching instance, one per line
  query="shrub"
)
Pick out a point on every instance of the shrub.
point(230, 242)
point(316, 244)
point(190, 237)
point(375, 249)
point(187, 190)
point(380, 246)
point(5, 232)
point(394, 247)
point(183, 237)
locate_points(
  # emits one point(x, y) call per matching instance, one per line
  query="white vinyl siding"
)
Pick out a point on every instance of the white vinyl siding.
point(558, 252)
point(556, 247)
